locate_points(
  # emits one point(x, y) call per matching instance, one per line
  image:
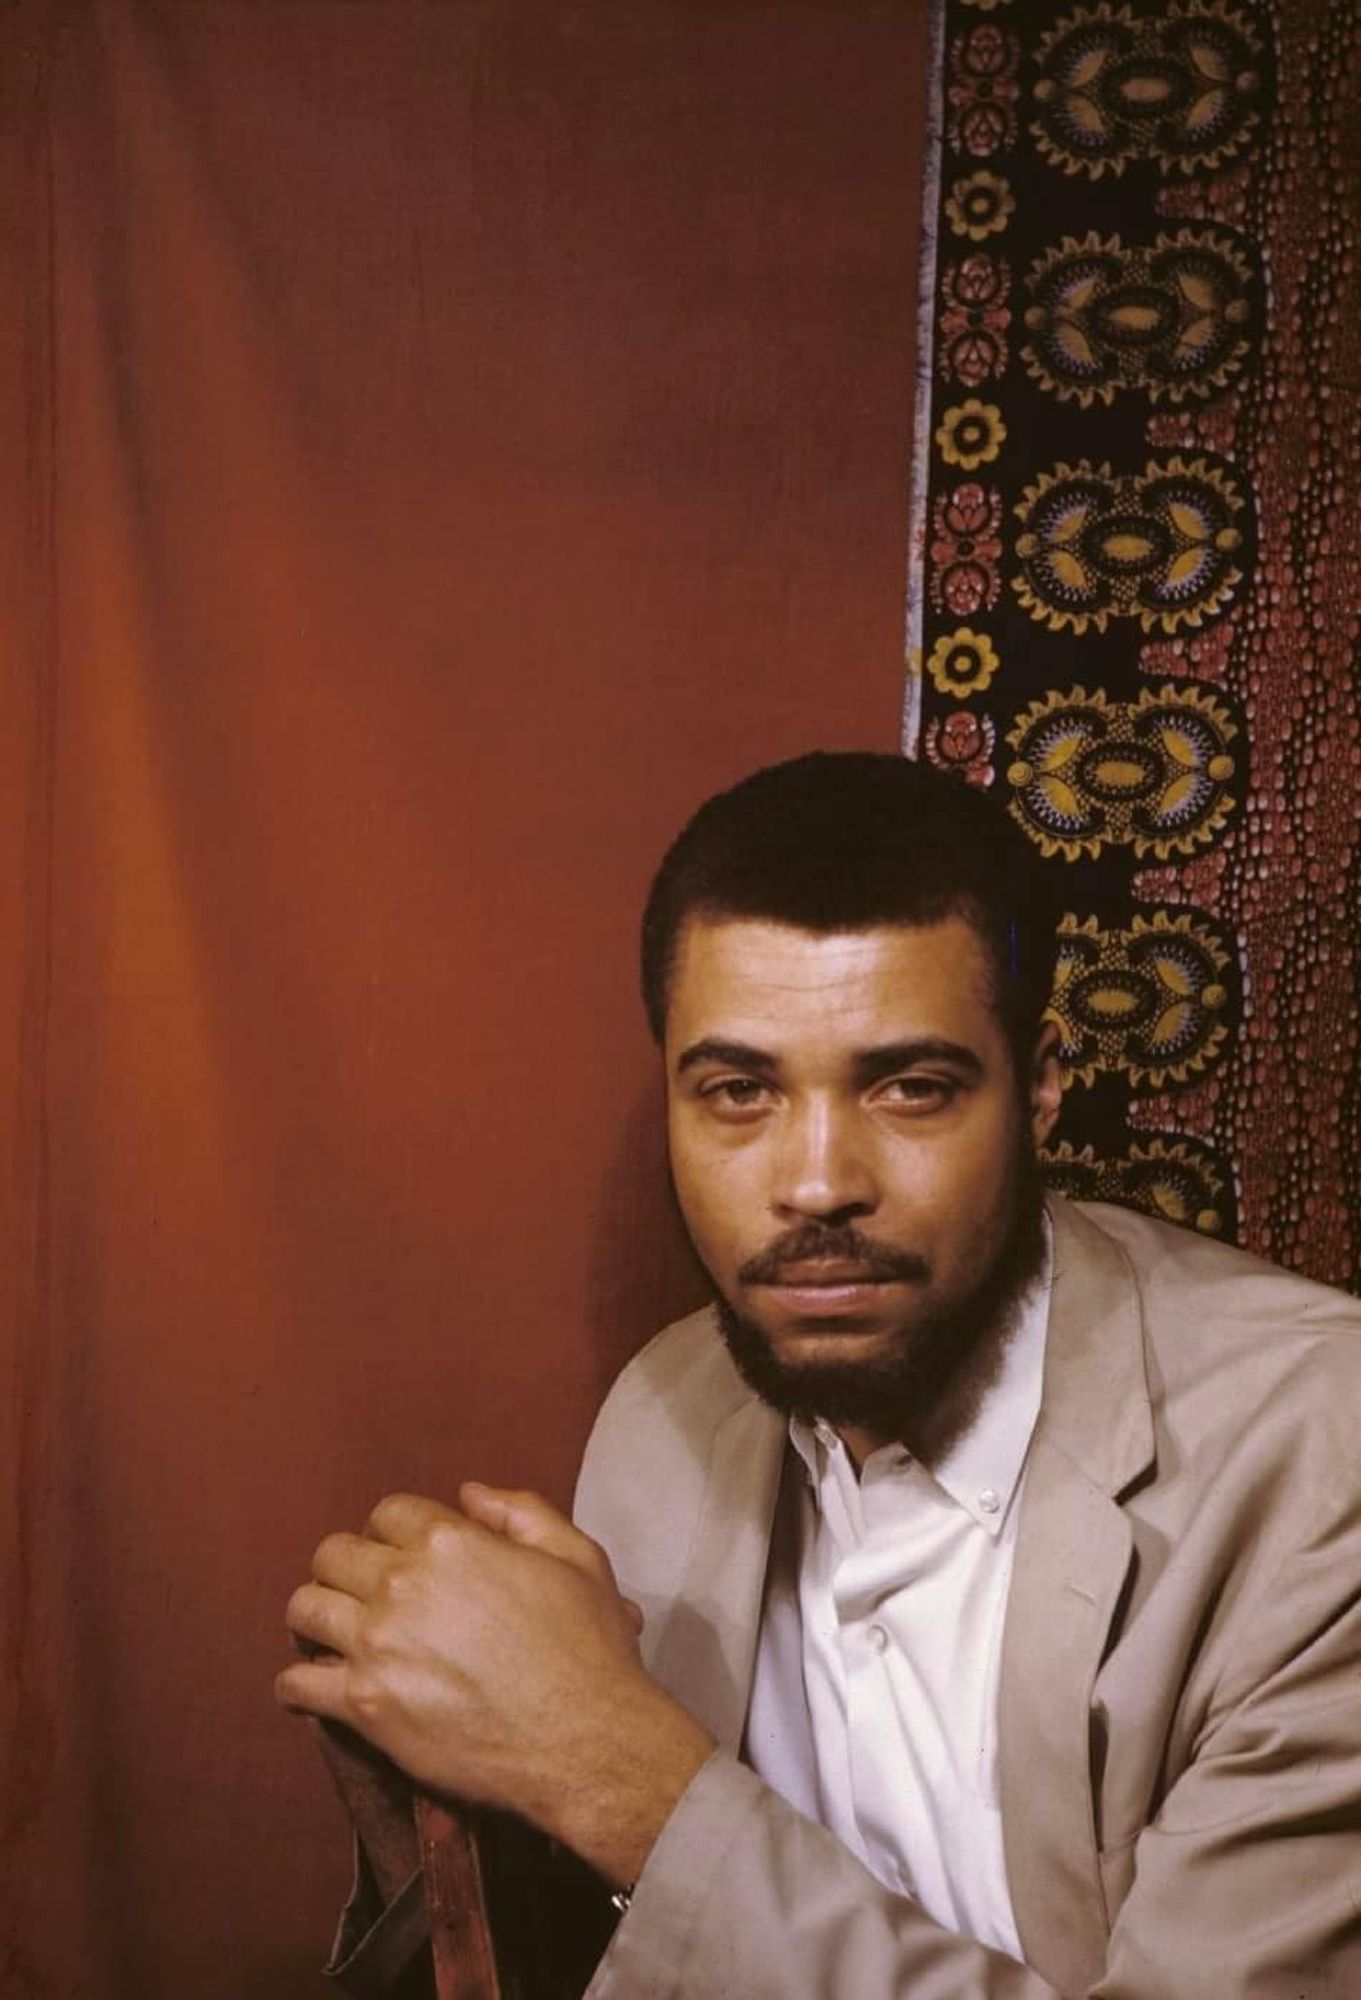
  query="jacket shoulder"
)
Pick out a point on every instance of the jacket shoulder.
point(646, 1466)
point(1151, 1242)
point(1202, 1286)
point(1237, 1346)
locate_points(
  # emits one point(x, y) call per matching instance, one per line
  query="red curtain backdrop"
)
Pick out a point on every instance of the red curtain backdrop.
point(443, 442)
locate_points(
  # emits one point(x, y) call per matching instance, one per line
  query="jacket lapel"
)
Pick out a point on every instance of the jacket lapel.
point(1094, 1436)
point(708, 1643)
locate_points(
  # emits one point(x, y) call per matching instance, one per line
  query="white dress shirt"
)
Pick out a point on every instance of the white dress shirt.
point(874, 1701)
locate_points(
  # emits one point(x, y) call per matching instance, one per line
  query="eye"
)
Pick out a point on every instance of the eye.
point(918, 1093)
point(731, 1095)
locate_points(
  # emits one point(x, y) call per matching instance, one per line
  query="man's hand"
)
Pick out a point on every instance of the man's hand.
point(489, 1654)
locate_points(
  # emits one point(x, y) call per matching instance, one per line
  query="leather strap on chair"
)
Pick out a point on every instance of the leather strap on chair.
point(455, 1899)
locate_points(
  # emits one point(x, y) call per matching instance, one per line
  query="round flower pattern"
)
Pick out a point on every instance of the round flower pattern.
point(979, 205)
point(971, 434)
point(963, 662)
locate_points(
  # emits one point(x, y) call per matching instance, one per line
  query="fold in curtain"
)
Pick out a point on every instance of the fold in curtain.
point(442, 444)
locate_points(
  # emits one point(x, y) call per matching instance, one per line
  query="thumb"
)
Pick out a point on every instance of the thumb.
point(530, 1520)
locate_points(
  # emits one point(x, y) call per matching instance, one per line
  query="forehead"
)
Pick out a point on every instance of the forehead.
point(774, 984)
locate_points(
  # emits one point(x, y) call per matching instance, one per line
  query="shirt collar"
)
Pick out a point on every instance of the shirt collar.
point(982, 1472)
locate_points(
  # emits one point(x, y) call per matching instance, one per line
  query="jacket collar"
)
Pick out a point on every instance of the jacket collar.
point(1095, 1408)
point(707, 1647)
point(1094, 1438)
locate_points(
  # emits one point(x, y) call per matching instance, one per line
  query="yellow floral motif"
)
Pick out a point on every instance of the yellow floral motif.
point(979, 205)
point(971, 434)
point(1179, 1181)
point(963, 662)
point(986, 6)
point(1148, 1001)
point(1152, 774)
point(1164, 546)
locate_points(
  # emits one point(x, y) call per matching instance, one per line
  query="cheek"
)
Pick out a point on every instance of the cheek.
point(962, 1194)
point(713, 1187)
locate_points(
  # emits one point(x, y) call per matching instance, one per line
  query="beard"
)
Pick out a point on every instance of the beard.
point(924, 1390)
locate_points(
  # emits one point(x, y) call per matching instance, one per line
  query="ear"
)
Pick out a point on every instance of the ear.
point(1046, 1082)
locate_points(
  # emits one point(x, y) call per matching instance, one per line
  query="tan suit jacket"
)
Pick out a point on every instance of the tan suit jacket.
point(1180, 1706)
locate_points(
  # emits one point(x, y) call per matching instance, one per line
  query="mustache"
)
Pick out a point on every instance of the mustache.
point(819, 1243)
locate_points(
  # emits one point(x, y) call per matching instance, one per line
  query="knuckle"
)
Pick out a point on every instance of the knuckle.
point(388, 1510)
point(328, 1549)
point(287, 1690)
point(442, 1538)
point(296, 1608)
point(376, 1645)
point(398, 1587)
point(368, 1701)
point(595, 1556)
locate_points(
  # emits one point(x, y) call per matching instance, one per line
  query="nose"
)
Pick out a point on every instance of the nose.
point(825, 1166)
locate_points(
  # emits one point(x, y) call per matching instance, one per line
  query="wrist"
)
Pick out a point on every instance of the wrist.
point(652, 1752)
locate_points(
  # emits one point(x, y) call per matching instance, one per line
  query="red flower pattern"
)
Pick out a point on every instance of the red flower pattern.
point(983, 91)
point(963, 743)
point(974, 319)
point(966, 549)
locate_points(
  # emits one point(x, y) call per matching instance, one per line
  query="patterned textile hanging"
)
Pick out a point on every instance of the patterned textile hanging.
point(1135, 587)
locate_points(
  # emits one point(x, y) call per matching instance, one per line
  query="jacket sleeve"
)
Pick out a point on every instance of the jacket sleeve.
point(743, 1898)
point(1244, 1885)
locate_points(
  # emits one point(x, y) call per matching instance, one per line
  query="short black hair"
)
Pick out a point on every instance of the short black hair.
point(847, 840)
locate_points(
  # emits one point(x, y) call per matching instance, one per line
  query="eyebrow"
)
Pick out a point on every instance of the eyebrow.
point(870, 1065)
point(737, 1055)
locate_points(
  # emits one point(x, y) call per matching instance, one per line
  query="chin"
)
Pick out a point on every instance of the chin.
point(851, 1341)
point(900, 1376)
point(833, 1351)
point(845, 1371)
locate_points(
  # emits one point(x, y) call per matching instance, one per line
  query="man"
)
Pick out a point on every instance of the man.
point(969, 1604)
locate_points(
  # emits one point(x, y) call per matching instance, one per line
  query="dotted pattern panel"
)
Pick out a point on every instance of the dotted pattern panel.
point(1136, 574)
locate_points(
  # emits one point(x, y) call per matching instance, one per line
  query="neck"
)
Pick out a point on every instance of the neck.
point(860, 1443)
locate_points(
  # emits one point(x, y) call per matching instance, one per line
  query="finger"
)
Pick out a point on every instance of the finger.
point(529, 1519)
point(322, 1617)
point(313, 1687)
point(352, 1563)
point(635, 1612)
point(402, 1518)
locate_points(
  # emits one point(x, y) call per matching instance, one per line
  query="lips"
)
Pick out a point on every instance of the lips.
point(826, 1272)
point(828, 1291)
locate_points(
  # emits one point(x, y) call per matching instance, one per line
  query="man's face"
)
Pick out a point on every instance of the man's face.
point(853, 1153)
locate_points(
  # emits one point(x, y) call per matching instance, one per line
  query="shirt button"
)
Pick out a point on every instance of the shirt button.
point(988, 1501)
point(878, 1638)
